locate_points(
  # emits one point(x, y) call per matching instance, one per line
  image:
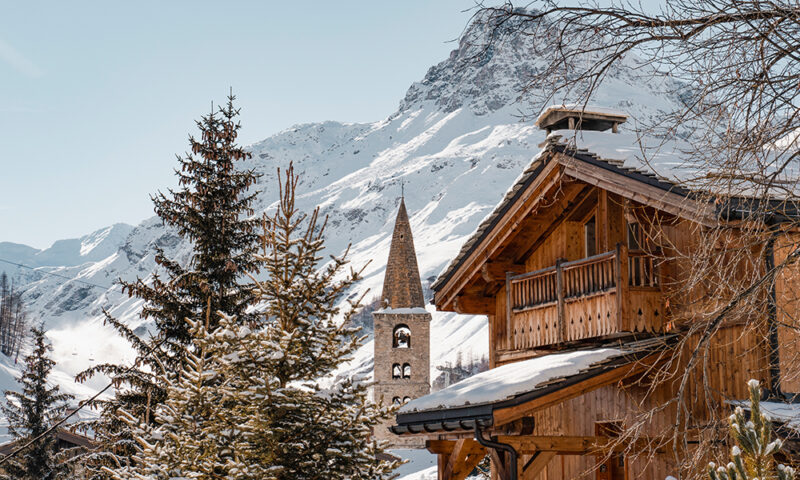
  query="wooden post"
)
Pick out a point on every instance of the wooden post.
point(492, 334)
point(601, 221)
point(622, 288)
point(562, 324)
point(509, 300)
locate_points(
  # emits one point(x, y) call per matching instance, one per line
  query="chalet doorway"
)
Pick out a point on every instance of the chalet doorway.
point(610, 467)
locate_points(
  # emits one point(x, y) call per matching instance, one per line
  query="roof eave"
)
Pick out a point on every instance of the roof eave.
point(464, 417)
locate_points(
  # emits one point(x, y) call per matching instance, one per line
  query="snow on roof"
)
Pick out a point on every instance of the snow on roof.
point(402, 311)
point(508, 381)
point(572, 107)
point(661, 159)
point(786, 413)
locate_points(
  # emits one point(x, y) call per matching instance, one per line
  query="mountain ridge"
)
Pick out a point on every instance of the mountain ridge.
point(456, 143)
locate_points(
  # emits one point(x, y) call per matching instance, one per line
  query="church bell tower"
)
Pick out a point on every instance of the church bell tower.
point(402, 330)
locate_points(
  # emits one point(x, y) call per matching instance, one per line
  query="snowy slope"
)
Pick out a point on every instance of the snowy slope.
point(456, 142)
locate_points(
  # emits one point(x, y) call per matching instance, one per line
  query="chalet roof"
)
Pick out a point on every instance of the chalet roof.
point(785, 413)
point(62, 435)
point(478, 398)
point(402, 287)
point(615, 152)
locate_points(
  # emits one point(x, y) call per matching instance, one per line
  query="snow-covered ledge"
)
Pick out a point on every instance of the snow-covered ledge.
point(508, 381)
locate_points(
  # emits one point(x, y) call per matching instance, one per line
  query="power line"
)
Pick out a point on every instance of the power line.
point(80, 406)
point(87, 401)
point(43, 272)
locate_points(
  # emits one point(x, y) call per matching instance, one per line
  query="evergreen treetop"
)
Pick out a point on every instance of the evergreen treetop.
point(210, 209)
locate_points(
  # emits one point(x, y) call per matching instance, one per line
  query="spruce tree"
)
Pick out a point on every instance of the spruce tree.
point(211, 209)
point(250, 403)
point(753, 456)
point(32, 412)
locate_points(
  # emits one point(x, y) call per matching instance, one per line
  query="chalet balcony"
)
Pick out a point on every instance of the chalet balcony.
point(598, 296)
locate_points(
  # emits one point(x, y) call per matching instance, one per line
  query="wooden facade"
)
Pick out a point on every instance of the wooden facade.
point(573, 257)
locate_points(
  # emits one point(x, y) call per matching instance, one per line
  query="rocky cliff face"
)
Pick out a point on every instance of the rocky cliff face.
point(456, 143)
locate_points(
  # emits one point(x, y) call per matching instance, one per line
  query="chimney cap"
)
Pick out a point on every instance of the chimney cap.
point(574, 117)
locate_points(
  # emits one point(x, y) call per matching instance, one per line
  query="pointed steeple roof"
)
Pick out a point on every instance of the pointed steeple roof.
point(401, 285)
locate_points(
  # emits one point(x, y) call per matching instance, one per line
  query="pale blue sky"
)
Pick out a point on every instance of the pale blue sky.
point(97, 97)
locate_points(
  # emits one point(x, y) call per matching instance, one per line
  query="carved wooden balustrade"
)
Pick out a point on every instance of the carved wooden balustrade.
point(587, 298)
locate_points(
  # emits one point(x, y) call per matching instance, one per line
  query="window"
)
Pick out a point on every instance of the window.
point(397, 372)
point(406, 370)
point(634, 236)
point(406, 399)
point(589, 237)
point(402, 336)
point(642, 266)
point(396, 400)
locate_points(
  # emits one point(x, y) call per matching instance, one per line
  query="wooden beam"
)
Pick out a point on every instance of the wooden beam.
point(474, 305)
point(602, 230)
point(458, 458)
point(492, 347)
point(445, 447)
point(495, 271)
point(533, 467)
point(638, 191)
point(440, 447)
point(469, 464)
point(556, 444)
point(499, 463)
point(573, 444)
point(509, 414)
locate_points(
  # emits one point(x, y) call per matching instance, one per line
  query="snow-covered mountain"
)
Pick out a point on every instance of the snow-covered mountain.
point(456, 143)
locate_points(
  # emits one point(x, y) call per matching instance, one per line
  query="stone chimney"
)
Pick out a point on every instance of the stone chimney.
point(578, 117)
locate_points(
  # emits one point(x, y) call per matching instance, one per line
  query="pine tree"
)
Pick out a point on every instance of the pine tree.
point(753, 456)
point(31, 413)
point(210, 210)
point(249, 404)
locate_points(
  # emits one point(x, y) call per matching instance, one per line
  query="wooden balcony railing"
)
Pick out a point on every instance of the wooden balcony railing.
point(586, 298)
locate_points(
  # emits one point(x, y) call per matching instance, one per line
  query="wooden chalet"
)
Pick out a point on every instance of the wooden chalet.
point(583, 303)
point(65, 440)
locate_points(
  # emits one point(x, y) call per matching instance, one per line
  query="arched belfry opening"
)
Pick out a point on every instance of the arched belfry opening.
point(401, 337)
point(402, 329)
